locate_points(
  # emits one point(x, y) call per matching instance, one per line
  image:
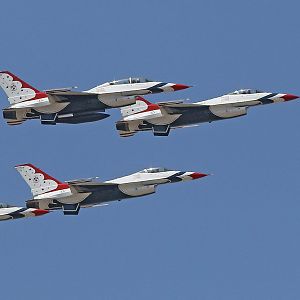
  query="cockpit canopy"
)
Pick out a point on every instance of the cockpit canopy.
point(155, 170)
point(4, 205)
point(245, 91)
point(130, 80)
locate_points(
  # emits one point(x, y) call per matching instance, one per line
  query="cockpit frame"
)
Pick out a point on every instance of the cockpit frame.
point(245, 92)
point(155, 170)
point(130, 80)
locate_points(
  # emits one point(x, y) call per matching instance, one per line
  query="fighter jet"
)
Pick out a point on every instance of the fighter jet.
point(73, 107)
point(161, 117)
point(9, 212)
point(51, 194)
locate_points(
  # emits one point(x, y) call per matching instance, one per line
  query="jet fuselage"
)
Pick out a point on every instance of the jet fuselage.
point(72, 107)
point(50, 193)
point(162, 117)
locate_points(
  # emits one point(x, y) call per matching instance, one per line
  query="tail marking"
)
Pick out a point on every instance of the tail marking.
point(20, 94)
point(40, 182)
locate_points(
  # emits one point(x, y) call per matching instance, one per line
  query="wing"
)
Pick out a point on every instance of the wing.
point(130, 189)
point(177, 108)
point(66, 95)
point(91, 186)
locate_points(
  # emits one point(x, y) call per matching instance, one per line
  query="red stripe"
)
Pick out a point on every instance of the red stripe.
point(46, 176)
point(62, 186)
point(38, 93)
point(142, 99)
point(40, 96)
point(39, 212)
point(24, 84)
point(36, 97)
point(150, 106)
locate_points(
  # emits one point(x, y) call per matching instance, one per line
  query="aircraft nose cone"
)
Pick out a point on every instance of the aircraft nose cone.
point(288, 97)
point(196, 175)
point(40, 212)
point(177, 87)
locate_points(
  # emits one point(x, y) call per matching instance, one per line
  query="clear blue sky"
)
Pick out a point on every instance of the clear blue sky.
point(234, 235)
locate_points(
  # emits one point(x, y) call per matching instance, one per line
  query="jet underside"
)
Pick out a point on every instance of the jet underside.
point(97, 196)
point(187, 116)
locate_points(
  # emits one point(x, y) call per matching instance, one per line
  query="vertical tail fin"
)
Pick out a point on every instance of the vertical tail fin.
point(142, 109)
point(18, 91)
point(38, 181)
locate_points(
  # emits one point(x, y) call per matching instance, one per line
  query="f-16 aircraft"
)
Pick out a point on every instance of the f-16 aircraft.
point(51, 194)
point(72, 107)
point(162, 117)
point(9, 212)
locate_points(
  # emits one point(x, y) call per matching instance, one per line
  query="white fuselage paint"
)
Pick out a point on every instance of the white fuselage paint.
point(72, 199)
point(36, 103)
point(120, 95)
point(142, 177)
point(241, 99)
point(54, 194)
point(141, 183)
point(129, 89)
point(151, 178)
point(152, 114)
